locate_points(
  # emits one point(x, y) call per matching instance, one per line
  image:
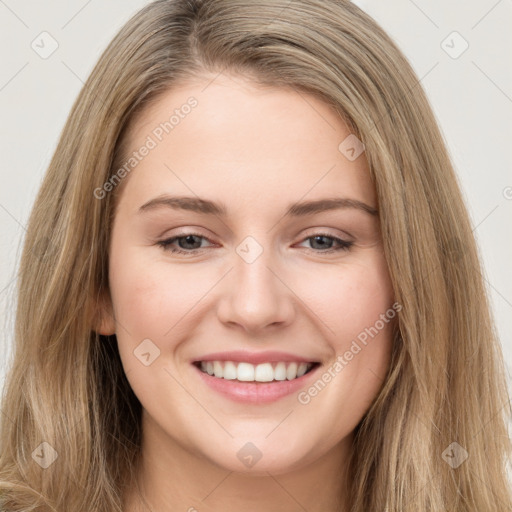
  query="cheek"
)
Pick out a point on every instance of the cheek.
point(151, 301)
point(352, 299)
point(140, 299)
point(360, 314)
point(148, 296)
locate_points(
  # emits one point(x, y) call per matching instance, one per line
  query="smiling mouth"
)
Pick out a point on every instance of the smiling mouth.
point(247, 372)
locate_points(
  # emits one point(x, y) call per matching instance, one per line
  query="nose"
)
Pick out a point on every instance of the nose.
point(255, 296)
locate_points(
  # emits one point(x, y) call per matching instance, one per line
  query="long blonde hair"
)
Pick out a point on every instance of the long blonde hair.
point(66, 386)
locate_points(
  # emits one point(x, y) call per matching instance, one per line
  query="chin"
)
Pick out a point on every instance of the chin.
point(259, 457)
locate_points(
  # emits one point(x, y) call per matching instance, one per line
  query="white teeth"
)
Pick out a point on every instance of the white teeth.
point(291, 371)
point(280, 371)
point(301, 370)
point(246, 372)
point(264, 373)
point(230, 372)
point(217, 369)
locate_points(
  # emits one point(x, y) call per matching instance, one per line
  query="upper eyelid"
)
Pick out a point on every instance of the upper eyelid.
point(192, 230)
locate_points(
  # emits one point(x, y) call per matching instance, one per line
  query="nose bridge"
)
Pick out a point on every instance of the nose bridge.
point(255, 297)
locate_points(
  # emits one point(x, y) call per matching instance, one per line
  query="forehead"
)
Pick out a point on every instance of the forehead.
point(239, 140)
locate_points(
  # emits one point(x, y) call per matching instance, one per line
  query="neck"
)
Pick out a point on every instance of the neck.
point(170, 478)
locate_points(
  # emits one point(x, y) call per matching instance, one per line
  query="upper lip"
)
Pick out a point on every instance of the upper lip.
point(255, 357)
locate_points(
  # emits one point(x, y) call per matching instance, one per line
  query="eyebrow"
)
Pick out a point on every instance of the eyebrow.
point(300, 209)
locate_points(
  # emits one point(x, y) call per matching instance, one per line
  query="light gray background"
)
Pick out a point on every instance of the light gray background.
point(471, 96)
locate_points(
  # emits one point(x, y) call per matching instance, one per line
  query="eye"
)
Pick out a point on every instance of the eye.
point(317, 239)
point(187, 240)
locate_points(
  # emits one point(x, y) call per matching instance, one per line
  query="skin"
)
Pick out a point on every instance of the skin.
point(256, 150)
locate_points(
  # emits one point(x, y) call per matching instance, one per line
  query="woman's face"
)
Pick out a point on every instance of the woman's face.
point(267, 276)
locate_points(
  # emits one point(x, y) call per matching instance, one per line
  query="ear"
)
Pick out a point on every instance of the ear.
point(104, 322)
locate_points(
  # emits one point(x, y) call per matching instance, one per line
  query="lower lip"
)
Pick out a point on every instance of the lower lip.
point(255, 392)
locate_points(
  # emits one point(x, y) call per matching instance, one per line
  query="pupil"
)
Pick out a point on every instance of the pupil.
point(316, 238)
point(189, 239)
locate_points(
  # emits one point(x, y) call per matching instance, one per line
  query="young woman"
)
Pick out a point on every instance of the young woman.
point(324, 343)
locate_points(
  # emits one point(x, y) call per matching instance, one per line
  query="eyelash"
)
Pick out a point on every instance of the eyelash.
point(344, 245)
